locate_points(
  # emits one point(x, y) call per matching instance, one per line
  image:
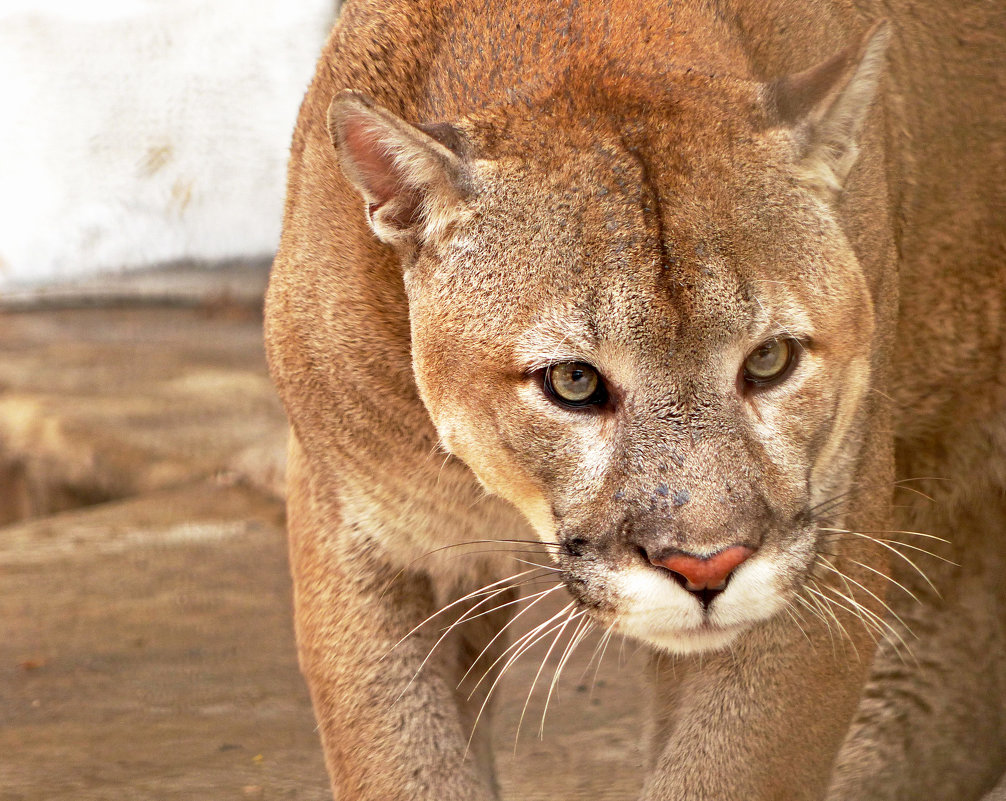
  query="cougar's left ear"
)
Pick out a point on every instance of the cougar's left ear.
point(827, 105)
point(410, 178)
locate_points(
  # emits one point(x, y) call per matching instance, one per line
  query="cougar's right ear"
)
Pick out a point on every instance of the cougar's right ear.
point(411, 181)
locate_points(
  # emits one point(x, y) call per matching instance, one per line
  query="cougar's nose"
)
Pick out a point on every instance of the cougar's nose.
point(702, 572)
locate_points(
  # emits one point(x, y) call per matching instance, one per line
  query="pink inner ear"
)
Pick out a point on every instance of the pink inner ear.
point(370, 159)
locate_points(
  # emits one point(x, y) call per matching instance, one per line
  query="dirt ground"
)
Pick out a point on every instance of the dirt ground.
point(147, 648)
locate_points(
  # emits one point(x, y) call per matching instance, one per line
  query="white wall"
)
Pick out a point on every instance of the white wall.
point(138, 132)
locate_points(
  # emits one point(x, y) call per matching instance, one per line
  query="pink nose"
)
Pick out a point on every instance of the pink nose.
point(705, 573)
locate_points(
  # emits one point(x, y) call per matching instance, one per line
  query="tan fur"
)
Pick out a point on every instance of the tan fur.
point(479, 190)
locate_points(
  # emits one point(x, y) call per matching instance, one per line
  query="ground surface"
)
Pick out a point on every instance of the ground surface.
point(147, 648)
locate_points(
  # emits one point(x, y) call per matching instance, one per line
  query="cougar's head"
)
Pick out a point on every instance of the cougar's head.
point(644, 326)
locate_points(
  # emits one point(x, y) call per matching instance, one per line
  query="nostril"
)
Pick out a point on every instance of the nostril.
point(681, 580)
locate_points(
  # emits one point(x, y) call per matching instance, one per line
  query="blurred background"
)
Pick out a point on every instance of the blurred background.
point(147, 646)
point(139, 133)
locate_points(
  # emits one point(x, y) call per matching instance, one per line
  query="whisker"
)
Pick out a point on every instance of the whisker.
point(854, 609)
point(569, 618)
point(909, 546)
point(878, 622)
point(526, 642)
point(885, 396)
point(518, 644)
point(583, 628)
point(515, 554)
point(510, 603)
point(461, 545)
point(826, 603)
point(872, 594)
point(816, 612)
point(542, 567)
point(519, 541)
point(443, 464)
point(886, 544)
point(555, 350)
point(901, 544)
point(443, 636)
point(789, 611)
point(621, 653)
point(897, 531)
point(488, 588)
point(806, 605)
point(929, 498)
point(888, 578)
point(842, 496)
point(597, 648)
point(540, 597)
point(603, 646)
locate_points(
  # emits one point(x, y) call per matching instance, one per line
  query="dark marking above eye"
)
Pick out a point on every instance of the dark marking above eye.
point(663, 490)
point(681, 497)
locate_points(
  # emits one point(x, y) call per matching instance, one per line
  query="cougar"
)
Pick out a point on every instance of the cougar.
point(706, 297)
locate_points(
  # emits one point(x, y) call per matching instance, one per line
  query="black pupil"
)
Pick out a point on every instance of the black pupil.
point(576, 375)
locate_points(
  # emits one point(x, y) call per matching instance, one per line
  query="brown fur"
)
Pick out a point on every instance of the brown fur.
point(655, 188)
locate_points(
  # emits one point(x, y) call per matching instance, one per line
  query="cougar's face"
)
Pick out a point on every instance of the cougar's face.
point(660, 359)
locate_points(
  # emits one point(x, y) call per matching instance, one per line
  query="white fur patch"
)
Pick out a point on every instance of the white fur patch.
point(654, 608)
point(752, 594)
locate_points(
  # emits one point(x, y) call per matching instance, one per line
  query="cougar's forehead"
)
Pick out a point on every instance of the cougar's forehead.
point(650, 247)
point(586, 230)
point(598, 253)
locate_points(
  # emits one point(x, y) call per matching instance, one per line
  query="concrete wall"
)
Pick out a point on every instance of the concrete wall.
point(142, 132)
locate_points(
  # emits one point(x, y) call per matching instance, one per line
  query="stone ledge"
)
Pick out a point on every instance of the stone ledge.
point(187, 284)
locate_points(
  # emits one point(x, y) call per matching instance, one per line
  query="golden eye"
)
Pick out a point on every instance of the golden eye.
point(574, 384)
point(770, 361)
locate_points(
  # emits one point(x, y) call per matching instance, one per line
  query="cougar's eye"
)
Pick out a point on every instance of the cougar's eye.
point(770, 362)
point(574, 384)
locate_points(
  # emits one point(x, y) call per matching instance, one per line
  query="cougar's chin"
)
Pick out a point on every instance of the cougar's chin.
point(678, 641)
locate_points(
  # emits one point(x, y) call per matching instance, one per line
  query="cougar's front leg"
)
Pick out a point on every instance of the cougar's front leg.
point(932, 724)
point(764, 719)
point(390, 730)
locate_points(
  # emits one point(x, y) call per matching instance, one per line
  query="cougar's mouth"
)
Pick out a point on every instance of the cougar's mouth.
point(674, 613)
